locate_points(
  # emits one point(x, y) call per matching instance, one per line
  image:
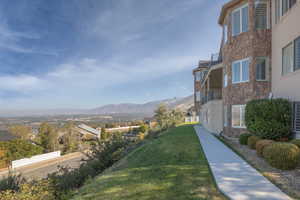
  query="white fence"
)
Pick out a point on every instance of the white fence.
point(35, 159)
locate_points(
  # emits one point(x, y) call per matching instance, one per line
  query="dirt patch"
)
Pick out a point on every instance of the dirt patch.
point(287, 181)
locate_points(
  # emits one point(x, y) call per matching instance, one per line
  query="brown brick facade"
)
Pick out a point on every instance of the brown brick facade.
point(251, 44)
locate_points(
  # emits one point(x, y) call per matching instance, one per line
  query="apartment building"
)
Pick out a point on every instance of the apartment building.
point(258, 59)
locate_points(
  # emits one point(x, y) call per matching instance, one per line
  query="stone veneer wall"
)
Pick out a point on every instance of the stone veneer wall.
point(251, 44)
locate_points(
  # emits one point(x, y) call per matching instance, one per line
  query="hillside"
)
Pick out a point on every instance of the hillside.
point(147, 108)
point(144, 110)
point(162, 169)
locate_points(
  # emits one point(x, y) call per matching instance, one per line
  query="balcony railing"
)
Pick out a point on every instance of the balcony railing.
point(215, 59)
point(211, 95)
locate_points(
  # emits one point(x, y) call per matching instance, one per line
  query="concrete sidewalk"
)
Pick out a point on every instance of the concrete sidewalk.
point(235, 177)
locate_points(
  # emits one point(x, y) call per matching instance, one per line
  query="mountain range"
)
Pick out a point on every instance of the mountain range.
point(146, 109)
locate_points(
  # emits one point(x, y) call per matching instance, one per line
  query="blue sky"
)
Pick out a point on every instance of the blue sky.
point(87, 53)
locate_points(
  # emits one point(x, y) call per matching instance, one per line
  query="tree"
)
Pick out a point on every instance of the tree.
point(161, 115)
point(104, 134)
point(143, 128)
point(21, 131)
point(71, 141)
point(176, 117)
point(48, 137)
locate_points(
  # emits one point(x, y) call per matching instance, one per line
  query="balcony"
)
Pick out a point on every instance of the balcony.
point(215, 94)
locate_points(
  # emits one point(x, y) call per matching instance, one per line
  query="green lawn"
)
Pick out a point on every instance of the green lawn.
point(168, 168)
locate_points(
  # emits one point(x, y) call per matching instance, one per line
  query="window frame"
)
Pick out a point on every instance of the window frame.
point(242, 118)
point(198, 96)
point(282, 52)
point(198, 76)
point(241, 71)
point(240, 10)
point(266, 68)
point(267, 14)
point(279, 8)
point(295, 56)
point(225, 115)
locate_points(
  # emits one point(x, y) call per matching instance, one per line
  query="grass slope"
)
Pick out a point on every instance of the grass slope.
point(171, 167)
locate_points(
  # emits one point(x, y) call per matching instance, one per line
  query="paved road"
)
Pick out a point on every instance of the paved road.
point(235, 177)
point(42, 169)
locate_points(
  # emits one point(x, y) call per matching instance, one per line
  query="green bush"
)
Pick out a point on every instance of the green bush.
point(296, 142)
point(11, 182)
point(243, 139)
point(252, 140)
point(40, 190)
point(281, 155)
point(269, 119)
point(261, 144)
point(18, 149)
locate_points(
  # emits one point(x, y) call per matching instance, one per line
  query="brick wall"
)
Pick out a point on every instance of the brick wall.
point(251, 44)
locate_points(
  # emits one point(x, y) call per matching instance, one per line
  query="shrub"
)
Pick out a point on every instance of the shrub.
point(252, 140)
point(41, 190)
point(269, 119)
point(296, 142)
point(281, 155)
point(243, 139)
point(11, 182)
point(102, 156)
point(261, 144)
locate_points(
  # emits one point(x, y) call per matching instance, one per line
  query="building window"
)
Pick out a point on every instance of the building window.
point(225, 80)
point(296, 120)
point(291, 57)
point(198, 76)
point(240, 71)
point(261, 15)
point(282, 7)
point(225, 32)
point(198, 96)
point(287, 59)
point(225, 116)
point(261, 68)
point(238, 116)
point(240, 20)
point(297, 54)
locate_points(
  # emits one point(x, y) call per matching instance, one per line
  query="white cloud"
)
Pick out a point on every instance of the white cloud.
point(10, 40)
point(19, 83)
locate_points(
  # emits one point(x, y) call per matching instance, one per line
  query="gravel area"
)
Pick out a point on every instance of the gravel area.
point(287, 181)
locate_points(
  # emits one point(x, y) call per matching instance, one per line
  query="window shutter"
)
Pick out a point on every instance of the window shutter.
point(297, 54)
point(245, 19)
point(297, 117)
point(261, 16)
point(236, 25)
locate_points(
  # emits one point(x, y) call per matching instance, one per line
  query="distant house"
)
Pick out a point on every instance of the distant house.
point(88, 132)
point(191, 116)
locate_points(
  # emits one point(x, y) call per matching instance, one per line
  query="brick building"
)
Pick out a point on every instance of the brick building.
point(244, 69)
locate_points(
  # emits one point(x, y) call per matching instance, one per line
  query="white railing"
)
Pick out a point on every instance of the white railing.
point(35, 159)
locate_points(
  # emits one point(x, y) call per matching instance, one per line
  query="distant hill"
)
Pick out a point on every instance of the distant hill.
point(146, 109)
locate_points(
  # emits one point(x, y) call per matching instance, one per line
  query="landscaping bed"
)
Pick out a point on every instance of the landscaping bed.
point(287, 180)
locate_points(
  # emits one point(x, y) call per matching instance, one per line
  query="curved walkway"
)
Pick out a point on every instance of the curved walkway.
point(234, 176)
